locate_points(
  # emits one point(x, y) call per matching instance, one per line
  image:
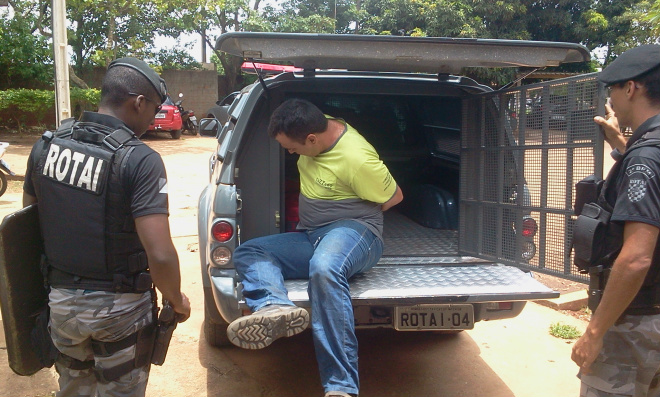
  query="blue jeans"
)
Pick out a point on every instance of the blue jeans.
point(328, 257)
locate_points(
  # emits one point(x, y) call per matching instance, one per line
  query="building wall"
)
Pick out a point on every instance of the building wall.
point(199, 88)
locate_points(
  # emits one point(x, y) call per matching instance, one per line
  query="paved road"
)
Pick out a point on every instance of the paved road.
point(515, 357)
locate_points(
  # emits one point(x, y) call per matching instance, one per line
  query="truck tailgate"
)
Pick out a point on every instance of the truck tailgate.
point(410, 281)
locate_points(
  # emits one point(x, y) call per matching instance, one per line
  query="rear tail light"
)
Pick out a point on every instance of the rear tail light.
point(221, 256)
point(222, 231)
point(529, 227)
point(528, 250)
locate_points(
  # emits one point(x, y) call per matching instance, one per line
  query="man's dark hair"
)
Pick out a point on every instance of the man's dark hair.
point(297, 118)
point(651, 81)
point(121, 80)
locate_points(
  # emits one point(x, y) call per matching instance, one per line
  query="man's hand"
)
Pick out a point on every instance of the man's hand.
point(182, 310)
point(610, 126)
point(585, 351)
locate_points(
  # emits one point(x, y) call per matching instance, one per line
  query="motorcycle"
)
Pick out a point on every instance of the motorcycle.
point(188, 118)
point(5, 168)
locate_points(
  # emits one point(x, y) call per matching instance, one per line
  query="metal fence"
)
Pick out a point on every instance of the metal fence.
point(522, 152)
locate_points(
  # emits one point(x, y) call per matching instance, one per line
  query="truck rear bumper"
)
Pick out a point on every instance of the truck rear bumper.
point(224, 291)
point(405, 281)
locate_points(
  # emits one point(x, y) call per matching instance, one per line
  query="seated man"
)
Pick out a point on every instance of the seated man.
point(344, 190)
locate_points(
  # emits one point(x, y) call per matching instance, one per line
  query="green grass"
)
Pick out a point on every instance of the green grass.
point(564, 331)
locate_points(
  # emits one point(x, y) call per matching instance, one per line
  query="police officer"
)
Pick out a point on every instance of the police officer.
point(619, 353)
point(103, 210)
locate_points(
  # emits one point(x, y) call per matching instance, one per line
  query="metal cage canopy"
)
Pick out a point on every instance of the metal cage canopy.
point(534, 142)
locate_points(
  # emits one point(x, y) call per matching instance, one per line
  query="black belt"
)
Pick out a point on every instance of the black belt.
point(135, 283)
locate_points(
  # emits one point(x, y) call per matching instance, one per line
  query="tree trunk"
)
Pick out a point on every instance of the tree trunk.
point(76, 80)
point(110, 44)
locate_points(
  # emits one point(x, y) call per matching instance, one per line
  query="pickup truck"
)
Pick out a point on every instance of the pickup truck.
point(486, 199)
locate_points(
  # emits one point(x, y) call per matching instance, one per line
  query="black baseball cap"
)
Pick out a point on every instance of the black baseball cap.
point(144, 69)
point(631, 64)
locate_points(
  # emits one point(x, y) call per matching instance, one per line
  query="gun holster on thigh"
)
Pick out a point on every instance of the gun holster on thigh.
point(72, 363)
point(144, 343)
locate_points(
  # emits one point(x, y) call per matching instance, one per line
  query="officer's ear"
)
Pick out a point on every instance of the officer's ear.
point(139, 102)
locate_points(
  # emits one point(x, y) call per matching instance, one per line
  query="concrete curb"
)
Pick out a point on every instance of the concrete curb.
point(570, 301)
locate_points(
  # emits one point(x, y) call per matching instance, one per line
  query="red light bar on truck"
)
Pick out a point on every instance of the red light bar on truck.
point(267, 68)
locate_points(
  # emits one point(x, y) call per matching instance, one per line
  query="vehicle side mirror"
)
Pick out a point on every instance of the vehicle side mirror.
point(209, 127)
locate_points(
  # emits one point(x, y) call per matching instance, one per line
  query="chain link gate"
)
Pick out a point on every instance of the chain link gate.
point(522, 152)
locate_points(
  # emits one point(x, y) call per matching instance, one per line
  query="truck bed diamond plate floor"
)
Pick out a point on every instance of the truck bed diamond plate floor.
point(476, 282)
point(405, 237)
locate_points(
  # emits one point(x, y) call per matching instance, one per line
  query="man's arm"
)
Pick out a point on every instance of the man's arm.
point(625, 280)
point(28, 199)
point(396, 199)
point(154, 232)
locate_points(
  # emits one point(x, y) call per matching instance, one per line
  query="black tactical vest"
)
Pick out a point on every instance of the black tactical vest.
point(597, 241)
point(89, 233)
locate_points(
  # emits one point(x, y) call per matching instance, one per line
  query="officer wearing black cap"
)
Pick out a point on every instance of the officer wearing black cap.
point(103, 210)
point(619, 353)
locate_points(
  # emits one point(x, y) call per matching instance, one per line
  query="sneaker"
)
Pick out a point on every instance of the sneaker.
point(261, 328)
point(338, 394)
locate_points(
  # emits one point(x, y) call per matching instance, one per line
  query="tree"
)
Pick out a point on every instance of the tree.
point(653, 17)
point(205, 16)
point(102, 30)
point(177, 58)
point(25, 54)
point(615, 26)
point(118, 28)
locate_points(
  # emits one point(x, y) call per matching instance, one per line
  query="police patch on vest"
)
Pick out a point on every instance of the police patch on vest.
point(637, 185)
point(642, 169)
point(636, 189)
point(81, 170)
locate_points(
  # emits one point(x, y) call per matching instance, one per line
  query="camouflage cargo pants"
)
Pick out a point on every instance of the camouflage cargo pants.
point(629, 362)
point(77, 317)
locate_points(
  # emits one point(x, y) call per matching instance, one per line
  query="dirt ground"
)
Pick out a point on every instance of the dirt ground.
point(232, 372)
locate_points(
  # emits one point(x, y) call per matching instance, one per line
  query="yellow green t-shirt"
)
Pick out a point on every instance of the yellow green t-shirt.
point(347, 181)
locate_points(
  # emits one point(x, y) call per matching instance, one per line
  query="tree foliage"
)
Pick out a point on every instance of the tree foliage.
point(25, 54)
point(102, 30)
point(119, 28)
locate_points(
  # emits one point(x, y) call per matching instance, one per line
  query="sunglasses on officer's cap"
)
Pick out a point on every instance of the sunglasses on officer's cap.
point(156, 81)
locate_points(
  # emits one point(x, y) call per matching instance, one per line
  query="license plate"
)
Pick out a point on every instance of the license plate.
point(434, 317)
point(193, 118)
point(160, 115)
